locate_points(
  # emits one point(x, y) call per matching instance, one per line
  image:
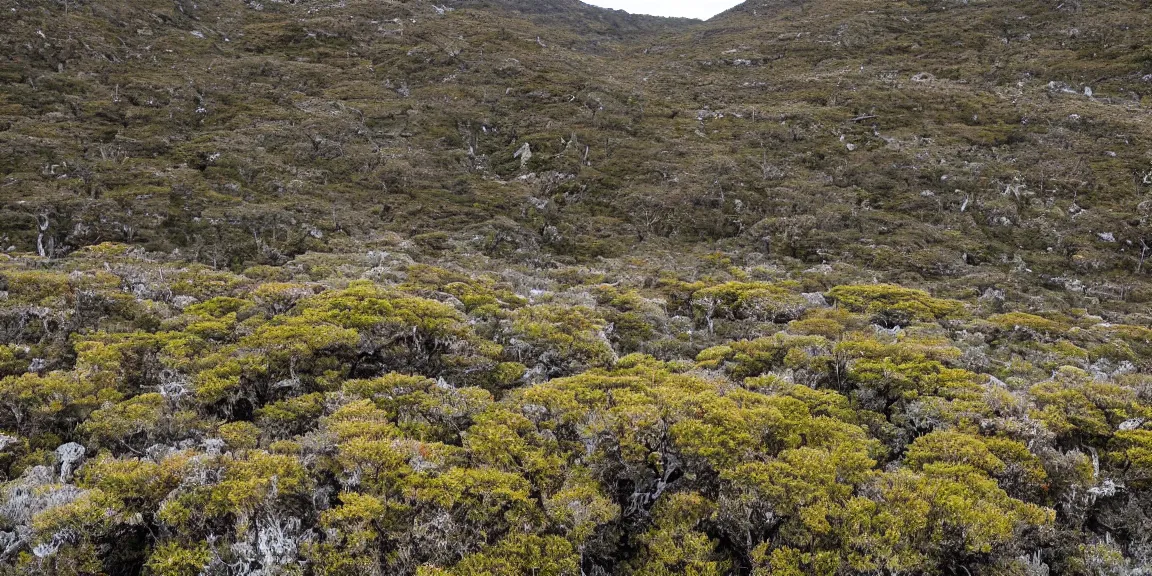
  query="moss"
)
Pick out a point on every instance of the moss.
point(1029, 323)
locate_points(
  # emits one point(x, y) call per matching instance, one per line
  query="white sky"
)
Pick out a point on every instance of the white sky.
point(702, 9)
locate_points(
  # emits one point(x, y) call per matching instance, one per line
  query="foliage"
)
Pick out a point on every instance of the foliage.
point(462, 288)
point(894, 305)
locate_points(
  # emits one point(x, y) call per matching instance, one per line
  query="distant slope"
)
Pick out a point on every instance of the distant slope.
point(923, 140)
point(584, 19)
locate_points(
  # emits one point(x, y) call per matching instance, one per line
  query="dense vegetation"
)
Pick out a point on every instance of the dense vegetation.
point(494, 287)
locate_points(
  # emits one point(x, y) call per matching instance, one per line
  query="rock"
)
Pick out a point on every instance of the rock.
point(1072, 284)
point(535, 411)
point(992, 295)
point(6, 441)
point(1124, 369)
point(1103, 370)
point(214, 446)
point(524, 154)
point(69, 455)
point(1132, 424)
point(815, 299)
point(182, 302)
point(158, 452)
point(1061, 87)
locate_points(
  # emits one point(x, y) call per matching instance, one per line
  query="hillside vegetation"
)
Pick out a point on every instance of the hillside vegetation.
point(503, 287)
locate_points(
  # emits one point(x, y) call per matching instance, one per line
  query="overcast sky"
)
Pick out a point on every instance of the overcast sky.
point(702, 9)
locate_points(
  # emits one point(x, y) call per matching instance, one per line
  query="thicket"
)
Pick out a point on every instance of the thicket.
point(179, 420)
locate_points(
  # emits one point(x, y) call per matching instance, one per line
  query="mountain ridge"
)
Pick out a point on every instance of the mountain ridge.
point(698, 70)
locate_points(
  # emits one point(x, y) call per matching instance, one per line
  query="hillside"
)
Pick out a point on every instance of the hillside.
point(531, 287)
